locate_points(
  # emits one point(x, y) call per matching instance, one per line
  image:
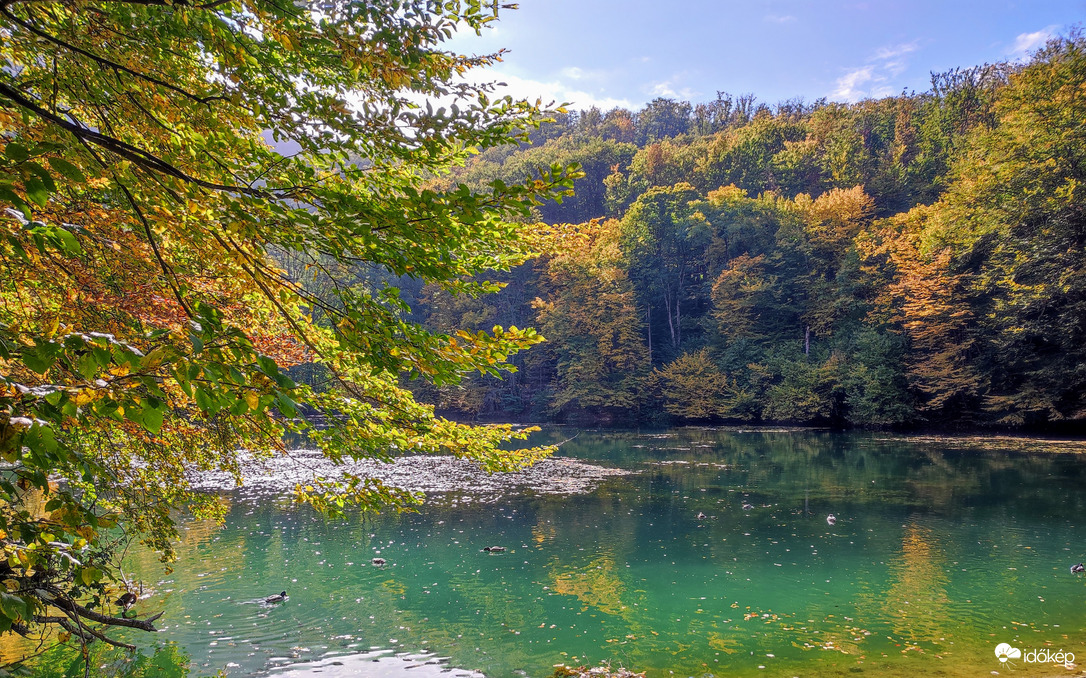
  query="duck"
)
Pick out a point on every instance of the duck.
point(127, 600)
point(747, 507)
point(494, 549)
point(831, 519)
point(1076, 569)
point(277, 598)
point(701, 516)
point(378, 561)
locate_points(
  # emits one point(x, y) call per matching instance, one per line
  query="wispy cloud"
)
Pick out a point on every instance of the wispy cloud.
point(671, 90)
point(874, 79)
point(894, 51)
point(557, 90)
point(895, 68)
point(780, 18)
point(850, 86)
point(1028, 42)
point(590, 75)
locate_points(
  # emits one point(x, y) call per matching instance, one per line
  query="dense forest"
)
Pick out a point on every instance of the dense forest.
point(912, 261)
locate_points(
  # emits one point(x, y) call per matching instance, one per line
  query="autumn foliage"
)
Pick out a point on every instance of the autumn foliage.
point(912, 261)
point(196, 198)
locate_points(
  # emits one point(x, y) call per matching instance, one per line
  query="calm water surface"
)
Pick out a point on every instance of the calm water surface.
point(942, 549)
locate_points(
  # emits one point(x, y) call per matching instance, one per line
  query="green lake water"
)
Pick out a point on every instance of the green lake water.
point(943, 548)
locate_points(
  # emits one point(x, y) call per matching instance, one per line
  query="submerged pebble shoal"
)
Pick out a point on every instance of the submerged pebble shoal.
point(428, 474)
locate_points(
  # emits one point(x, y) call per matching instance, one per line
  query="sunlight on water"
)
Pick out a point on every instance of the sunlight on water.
point(711, 556)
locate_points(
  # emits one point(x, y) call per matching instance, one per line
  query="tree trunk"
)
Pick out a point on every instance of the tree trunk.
point(670, 320)
point(648, 324)
point(678, 324)
point(678, 298)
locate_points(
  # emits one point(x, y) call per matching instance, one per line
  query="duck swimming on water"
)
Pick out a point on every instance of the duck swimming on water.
point(1076, 569)
point(831, 519)
point(277, 598)
point(127, 600)
point(493, 549)
point(378, 561)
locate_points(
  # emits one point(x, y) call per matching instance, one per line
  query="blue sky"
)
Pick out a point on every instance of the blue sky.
point(609, 53)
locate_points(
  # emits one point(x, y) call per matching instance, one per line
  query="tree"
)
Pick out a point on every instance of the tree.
point(592, 320)
point(662, 240)
point(693, 387)
point(831, 223)
point(929, 303)
point(738, 295)
point(145, 322)
point(1015, 223)
point(662, 118)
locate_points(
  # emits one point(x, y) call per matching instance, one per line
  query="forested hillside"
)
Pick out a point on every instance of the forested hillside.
point(910, 261)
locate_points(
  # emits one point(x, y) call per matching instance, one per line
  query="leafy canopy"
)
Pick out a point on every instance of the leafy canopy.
point(146, 312)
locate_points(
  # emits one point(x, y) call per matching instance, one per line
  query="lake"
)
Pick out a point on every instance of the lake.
point(698, 552)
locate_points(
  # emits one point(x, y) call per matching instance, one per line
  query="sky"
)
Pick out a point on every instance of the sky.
point(608, 53)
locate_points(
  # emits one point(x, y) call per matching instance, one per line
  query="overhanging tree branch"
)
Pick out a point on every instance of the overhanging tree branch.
point(127, 151)
point(106, 62)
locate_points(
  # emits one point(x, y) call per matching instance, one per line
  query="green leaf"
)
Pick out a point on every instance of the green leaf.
point(16, 151)
point(87, 366)
point(42, 357)
point(288, 407)
point(153, 359)
point(67, 170)
point(13, 607)
point(267, 366)
point(152, 418)
point(36, 191)
point(90, 575)
point(67, 240)
point(6, 193)
point(43, 174)
point(204, 401)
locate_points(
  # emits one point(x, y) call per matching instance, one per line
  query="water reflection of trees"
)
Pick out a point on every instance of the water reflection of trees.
point(66, 661)
point(596, 585)
point(931, 474)
point(916, 602)
point(599, 561)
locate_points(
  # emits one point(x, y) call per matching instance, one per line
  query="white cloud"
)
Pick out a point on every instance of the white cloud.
point(670, 90)
point(874, 79)
point(850, 85)
point(780, 18)
point(673, 87)
point(895, 68)
point(556, 90)
point(590, 75)
point(893, 51)
point(1028, 42)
